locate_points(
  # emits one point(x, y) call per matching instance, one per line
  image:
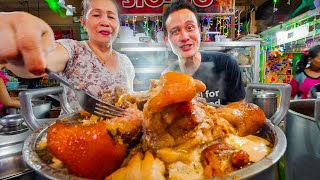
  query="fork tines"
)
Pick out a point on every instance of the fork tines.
point(108, 110)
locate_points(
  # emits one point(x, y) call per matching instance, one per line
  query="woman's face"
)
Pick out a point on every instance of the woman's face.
point(102, 22)
point(315, 62)
point(183, 33)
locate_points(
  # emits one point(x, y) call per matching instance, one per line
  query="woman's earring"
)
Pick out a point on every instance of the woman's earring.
point(308, 64)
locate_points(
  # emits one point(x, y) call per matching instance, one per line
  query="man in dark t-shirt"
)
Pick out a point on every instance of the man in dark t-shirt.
point(221, 74)
point(218, 71)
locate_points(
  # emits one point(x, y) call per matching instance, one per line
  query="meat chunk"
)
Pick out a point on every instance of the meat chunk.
point(239, 159)
point(247, 118)
point(169, 113)
point(127, 129)
point(192, 139)
point(87, 151)
point(94, 149)
point(221, 158)
point(127, 99)
point(173, 88)
point(171, 126)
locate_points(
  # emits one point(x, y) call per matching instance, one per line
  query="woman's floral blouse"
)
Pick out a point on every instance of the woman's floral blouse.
point(84, 71)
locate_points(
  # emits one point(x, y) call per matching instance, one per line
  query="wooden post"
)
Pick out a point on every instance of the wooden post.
point(232, 35)
point(252, 22)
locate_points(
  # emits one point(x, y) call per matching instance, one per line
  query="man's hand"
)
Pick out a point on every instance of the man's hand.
point(26, 40)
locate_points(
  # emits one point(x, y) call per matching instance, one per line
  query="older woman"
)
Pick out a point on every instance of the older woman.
point(89, 65)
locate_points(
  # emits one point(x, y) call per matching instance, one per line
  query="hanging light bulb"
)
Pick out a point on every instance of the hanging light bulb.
point(69, 8)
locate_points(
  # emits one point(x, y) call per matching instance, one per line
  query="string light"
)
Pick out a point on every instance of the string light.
point(160, 27)
point(210, 24)
point(220, 25)
point(226, 24)
point(134, 19)
point(275, 9)
point(156, 24)
point(145, 25)
point(126, 20)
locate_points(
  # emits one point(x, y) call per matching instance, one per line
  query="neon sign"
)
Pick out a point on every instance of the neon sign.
point(157, 6)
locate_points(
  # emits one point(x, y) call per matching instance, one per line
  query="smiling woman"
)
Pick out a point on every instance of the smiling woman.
point(92, 65)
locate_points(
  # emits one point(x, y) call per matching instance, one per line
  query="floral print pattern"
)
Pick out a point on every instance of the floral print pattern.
point(85, 71)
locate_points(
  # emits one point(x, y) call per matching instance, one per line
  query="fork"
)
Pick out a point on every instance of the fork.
point(89, 103)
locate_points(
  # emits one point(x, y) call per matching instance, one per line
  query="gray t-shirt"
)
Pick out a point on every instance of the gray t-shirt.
point(221, 74)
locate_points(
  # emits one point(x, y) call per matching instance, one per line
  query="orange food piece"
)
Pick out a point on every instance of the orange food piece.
point(221, 158)
point(84, 113)
point(247, 118)
point(87, 151)
point(174, 87)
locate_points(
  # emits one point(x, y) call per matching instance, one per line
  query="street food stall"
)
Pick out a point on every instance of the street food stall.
point(150, 59)
point(162, 131)
point(283, 45)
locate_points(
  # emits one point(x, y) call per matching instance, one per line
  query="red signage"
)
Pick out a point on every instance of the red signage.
point(156, 7)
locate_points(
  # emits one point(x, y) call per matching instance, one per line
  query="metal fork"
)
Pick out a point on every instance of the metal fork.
point(89, 103)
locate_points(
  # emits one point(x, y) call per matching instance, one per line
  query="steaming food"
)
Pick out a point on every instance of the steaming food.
point(182, 138)
point(94, 149)
point(83, 148)
point(247, 118)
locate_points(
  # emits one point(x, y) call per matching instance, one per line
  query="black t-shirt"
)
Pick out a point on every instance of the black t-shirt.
point(221, 74)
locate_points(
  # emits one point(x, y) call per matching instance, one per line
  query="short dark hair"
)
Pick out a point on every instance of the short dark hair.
point(175, 6)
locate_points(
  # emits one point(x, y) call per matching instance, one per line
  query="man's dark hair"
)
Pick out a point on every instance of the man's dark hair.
point(175, 6)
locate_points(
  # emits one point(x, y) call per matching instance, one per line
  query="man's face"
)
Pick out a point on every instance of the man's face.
point(183, 33)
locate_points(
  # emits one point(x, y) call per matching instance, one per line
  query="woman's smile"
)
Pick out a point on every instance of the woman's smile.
point(105, 33)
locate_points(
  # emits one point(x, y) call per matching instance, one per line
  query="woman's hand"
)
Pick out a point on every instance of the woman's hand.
point(25, 40)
